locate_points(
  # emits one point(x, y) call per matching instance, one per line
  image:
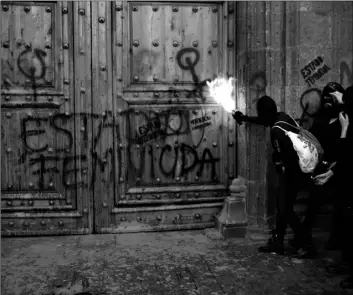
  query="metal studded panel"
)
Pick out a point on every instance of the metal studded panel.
point(44, 179)
point(31, 56)
point(163, 218)
point(85, 121)
point(39, 152)
point(170, 46)
point(174, 147)
point(174, 141)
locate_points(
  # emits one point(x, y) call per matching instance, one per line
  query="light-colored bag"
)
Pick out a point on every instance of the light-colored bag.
point(306, 145)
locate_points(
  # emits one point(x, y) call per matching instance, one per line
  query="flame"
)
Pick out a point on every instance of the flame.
point(222, 90)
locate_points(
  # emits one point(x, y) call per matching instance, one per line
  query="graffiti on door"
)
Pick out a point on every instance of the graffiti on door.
point(31, 64)
point(39, 132)
point(50, 151)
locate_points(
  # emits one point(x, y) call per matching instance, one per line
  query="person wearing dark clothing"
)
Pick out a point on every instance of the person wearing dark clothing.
point(334, 132)
point(287, 165)
point(346, 194)
point(332, 139)
point(327, 129)
point(345, 190)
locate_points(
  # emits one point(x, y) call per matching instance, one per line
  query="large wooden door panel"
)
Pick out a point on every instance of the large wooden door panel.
point(169, 48)
point(175, 145)
point(45, 152)
point(107, 124)
point(174, 148)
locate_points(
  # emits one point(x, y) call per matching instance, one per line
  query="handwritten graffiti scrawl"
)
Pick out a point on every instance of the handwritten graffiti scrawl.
point(36, 128)
point(201, 122)
point(311, 72)
point(44, 163)
point(32, 65)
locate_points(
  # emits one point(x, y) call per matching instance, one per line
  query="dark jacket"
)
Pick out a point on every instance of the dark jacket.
point(337, 149)
point(284, 154)
point(283, 150)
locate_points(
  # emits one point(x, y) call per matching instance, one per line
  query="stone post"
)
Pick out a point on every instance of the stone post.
point(232, 220)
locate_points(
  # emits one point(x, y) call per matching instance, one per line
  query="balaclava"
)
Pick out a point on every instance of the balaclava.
point(267, 110)
point(332, 107)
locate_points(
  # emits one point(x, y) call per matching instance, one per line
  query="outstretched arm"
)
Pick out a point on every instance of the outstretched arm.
point(240, 118)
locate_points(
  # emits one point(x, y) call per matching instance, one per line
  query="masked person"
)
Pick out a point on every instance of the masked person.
point(330, 127)
point(346, 191)
point(338, 109)
point(291, 176)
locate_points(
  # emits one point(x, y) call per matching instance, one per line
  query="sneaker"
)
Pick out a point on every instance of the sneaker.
point(297, 242)
point(301, 241)
point(274, 245)
point(347, 283)
point(294, 243)
point(338, 269)
point(306, 252)
point(332, 244)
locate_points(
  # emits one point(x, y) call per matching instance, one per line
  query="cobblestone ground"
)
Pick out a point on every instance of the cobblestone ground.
point(169, 263)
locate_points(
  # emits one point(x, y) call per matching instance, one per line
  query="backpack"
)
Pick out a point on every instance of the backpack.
point(308, 148)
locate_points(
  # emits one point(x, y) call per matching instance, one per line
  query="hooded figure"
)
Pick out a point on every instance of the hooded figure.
point(332, 128)
point(345, 189)
point(332, 100)
point(287, 165)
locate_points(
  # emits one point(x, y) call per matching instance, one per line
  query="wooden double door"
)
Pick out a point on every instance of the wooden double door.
point(107, 125)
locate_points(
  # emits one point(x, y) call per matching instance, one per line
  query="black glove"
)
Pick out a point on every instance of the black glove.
point(279, 165)
point(280, 168)
point(238, 116)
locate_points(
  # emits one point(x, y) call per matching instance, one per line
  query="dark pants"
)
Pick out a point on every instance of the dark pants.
point(316, 200)
point(340, 205)
point(342, 222)
point(290, 185)
point(347, 236)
